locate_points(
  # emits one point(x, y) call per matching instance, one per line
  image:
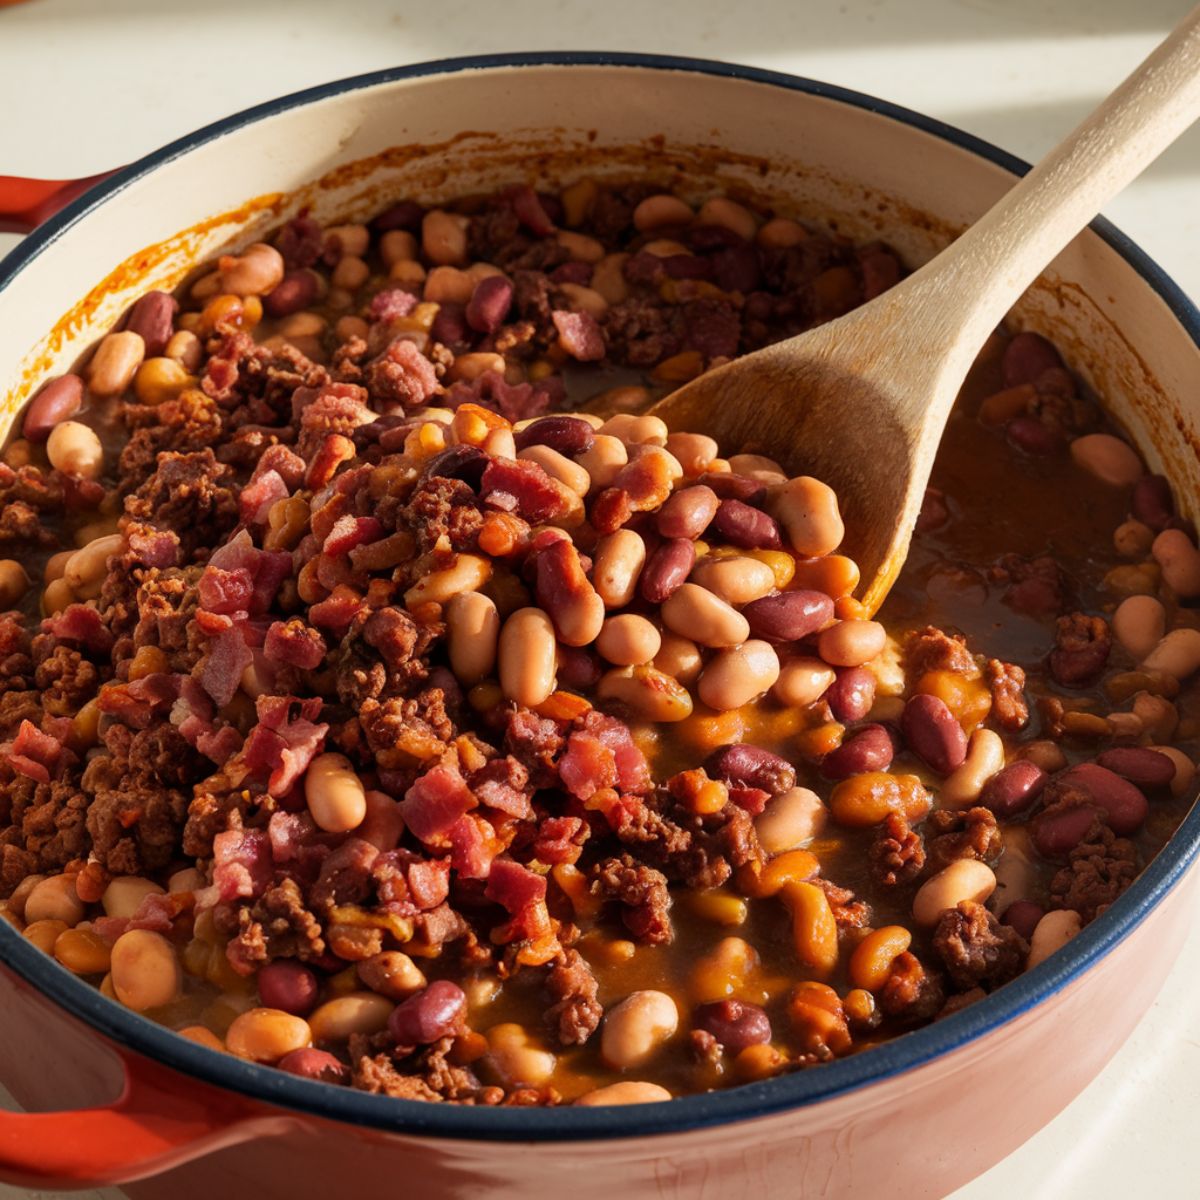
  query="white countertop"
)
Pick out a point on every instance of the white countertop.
point(90, 84)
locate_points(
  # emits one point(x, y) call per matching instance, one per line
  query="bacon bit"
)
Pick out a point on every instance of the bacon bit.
point(349, 532)
point(81, 624)
point(539, 498)
point(335, 450)
point(337, 611)
point(283, 745)
point(33, 753)
point(473, 845)
point(436, 802)
point(242, 863)
point(259, 494)
point(292, 643)
point(588, 766)
point(284, 462)
point(579, 335)
point(562, 706)
point(513, 886)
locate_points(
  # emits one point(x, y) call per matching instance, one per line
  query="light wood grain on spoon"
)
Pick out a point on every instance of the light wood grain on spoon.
point(861, 402)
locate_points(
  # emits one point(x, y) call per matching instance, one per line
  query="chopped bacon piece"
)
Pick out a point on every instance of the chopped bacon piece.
point(435, 802)
point(337, 610)
point(560, 840)
point(283, 745)
point(471, 851)
point(579, 335)
point(538, 499)
point(259, 494)
point(33, 753)
point(292, 643)
point(81, 624)
point(391, 304)
point(242, 865)
point(284, 462)
point(226, 657)
point(349, 532)
point(587, 766)
point(225, 592)
point(153, 547)
point(513, 886)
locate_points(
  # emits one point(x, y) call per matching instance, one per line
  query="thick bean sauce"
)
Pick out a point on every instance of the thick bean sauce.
point(385, 698)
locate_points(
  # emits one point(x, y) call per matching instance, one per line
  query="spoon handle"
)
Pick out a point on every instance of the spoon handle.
point(985, 271)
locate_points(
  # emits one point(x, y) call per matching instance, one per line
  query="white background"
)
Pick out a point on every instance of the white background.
point(90, 84)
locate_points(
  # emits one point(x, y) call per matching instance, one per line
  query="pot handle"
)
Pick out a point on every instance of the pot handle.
point(160, 1121)
point(26, 203)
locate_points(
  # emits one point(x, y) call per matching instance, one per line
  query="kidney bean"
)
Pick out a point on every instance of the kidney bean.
point(458, 462)
point(789, 616)
point(489, 304)
point(578, 669)
point(746, 527)
point(153, 317)
point(931, 731)
point(1026, 357)
point(1056, 833)
point(751, 766)
point(295, 291)
point(428, 1016)
point(736, 1024)
point(59, 400)
point(851, 694)
point(406, 214)
point(1152, 502)
point(688, 512)
point(310, 1063)
point(288, 985)
point(735, 487)
point(667, 569)
point(935, 512)
point(570, 436)
point(1014, 788)
point(869, 748)
point(1123, 802)
point(450, 325)
point(1023, 916)
point(1142, 767)
point(1033, 436)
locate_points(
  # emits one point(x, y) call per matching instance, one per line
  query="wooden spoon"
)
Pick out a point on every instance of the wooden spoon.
point(861, 402)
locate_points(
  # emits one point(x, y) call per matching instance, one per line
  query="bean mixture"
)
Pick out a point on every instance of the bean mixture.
point(387, 698)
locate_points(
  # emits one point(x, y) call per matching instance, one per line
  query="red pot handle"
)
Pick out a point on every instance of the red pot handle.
point(160, 1120)
point(26, 203)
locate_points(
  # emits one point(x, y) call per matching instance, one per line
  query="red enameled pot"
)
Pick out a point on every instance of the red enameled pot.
point(136, 1105)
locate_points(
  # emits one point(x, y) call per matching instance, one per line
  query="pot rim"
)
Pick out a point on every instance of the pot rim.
point(567, 1123)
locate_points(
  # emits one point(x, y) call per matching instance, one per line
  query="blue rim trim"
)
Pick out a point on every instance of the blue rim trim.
point(689, 1112)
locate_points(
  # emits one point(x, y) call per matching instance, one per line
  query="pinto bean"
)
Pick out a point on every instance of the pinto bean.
point(124, 895)
point(617, 567)
point(516, 1060)
point(14, 583)
point(628, 640)
point(257, 271)
point(473, 633)
point(678, 657)
point(526, 657)
point(647, 692)
point(356, 1013)
point(628, 1091)
point(57, 401)
point(933, 734)
point(790, 821)
point(1177, 654)
point(695, 451)
point(1185, 771)
point(637, 1028)
point(662, 211)
point(265, 1035)
point(1132, 539)
point(695, 612)
point(736, 579)
point(688, 512)
point(1053, 932)
point(788, 616)
point(392, 974)
point(145, 970)
point(1138, 624)
point(334, 793)
point(55, 899)
point(444, 238)
point(1180, 562)
point(667, 569)
point(1111, 460)
point(868, 748)
point(984, 760)
point(738, 675)
point(115, 363)
point(851, 643)
point(963, 879)
point(603, 460)
point(808, 511)
point(802, 681)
